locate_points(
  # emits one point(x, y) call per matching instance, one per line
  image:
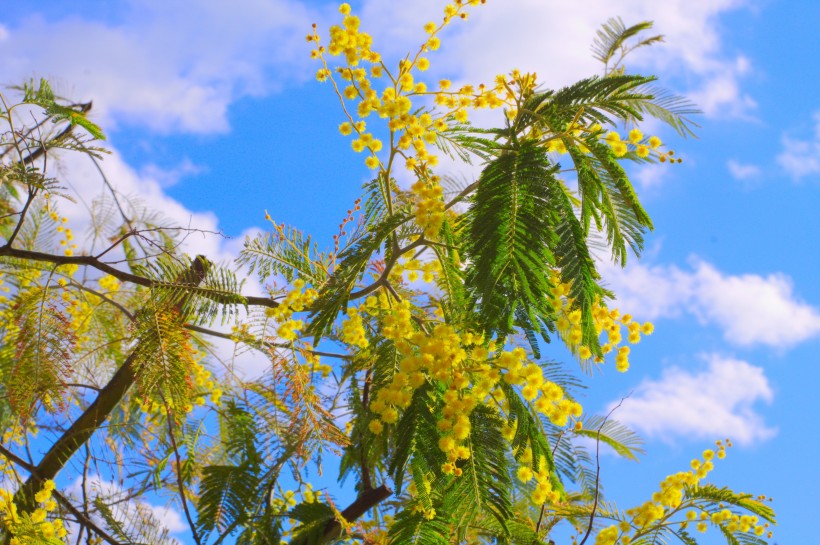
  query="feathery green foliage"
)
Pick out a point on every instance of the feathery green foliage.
point(508, 234)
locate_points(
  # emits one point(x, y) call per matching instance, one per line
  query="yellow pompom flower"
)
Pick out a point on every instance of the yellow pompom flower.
point(447, 443)
point(39, 515)
point(322, 74)
point(351, 92)
point(524, 474)
point(376, 426)
point(619, 149)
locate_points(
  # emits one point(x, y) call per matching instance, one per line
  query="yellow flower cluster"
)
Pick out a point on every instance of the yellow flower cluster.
point(68, 236)
point(635, 141)
point(33, 527)
point(670, 499)
point(3, 289)
point(109, 283)
point(410, 134)
point(353, 332)
point(546, 396)
point(311, 496)
point(297, 300)
point(204, 387)
point(733, 522)
point(429, 206)
point(605, 320)
point(543, 491)
point(80, 312)
point(414, 267)
point(284, 502)
point(471, 373)
point(15, 433)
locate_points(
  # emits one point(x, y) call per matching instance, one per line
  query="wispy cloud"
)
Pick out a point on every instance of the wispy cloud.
point(801, 158)
point(750, 309)
point(716, 402)
point(742, 171)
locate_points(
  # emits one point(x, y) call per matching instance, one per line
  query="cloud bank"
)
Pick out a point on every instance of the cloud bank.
point(712, 403)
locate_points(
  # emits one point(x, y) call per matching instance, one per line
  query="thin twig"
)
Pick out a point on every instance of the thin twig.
point(180, 479)
point(598, 470)
point(266, 344)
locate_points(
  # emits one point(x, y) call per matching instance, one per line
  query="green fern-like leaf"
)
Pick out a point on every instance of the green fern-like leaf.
point(313, 519)
point(132, 523)
point(414, 432)
point(335, 292)
point(612, 37)
point(620, 438)
point(508, 233)
point(413, 528)
point(287, 252)
point(724, 495)
point(485, 484)
point(43, 96)
point(226, 493)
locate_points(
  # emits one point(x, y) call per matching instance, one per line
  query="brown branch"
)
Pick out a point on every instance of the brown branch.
point(90, 261)
point(367, 483)
point(366, 501)
point(388, 266)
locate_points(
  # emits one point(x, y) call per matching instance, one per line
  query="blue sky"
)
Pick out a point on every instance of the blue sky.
point(213, 117)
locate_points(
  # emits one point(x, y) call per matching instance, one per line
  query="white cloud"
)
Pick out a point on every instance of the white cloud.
point(742, 171)
point(801, 158)
point(172, 66)
point(168, 177)
point(749, 308)
point(712, 403)
point(650, 176)
point(720, 95)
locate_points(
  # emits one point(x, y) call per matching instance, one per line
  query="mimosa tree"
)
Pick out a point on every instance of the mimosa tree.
point(409, 354)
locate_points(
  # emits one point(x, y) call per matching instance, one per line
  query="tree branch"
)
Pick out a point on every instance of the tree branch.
point(366, 501)
point(90, 261)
